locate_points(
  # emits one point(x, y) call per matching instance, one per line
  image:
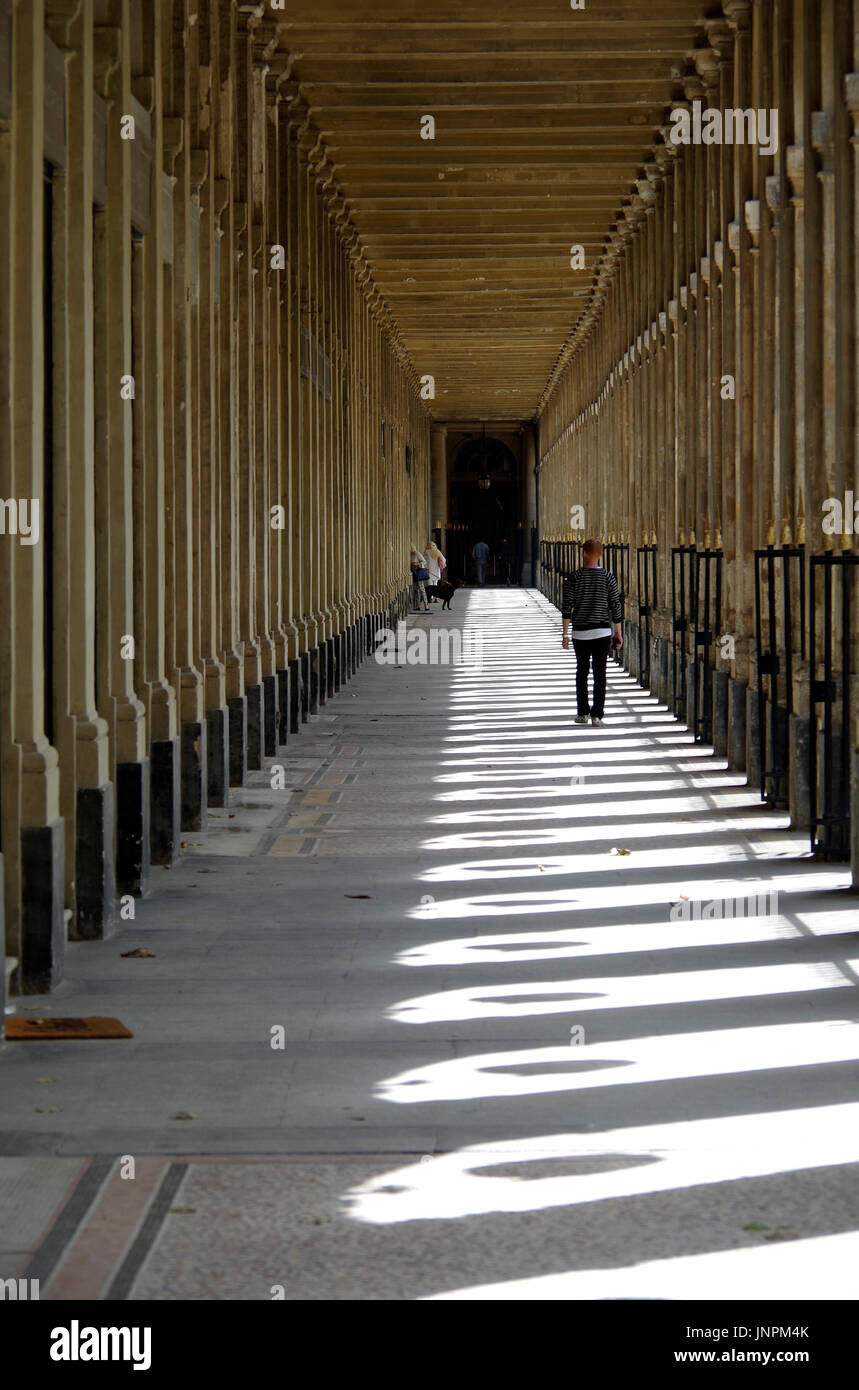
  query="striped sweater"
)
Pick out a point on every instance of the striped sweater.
point(591, 599)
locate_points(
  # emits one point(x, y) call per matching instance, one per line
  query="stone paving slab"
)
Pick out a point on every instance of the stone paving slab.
point(426, 909)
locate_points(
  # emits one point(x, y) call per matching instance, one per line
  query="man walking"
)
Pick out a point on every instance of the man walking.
point(591, 605)
point(480, 554)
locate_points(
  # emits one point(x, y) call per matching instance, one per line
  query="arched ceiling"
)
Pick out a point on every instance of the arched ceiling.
point(543, 118)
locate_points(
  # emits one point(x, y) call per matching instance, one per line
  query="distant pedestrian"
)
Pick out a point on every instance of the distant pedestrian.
point(420, 574)
point(591, 605)
point(480, 555)
point(436, 564)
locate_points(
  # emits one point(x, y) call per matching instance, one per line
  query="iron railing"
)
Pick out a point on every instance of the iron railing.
point(775, 669)
point(682, 592)
point(645, 559)
point(706, 621)
point(829, 775)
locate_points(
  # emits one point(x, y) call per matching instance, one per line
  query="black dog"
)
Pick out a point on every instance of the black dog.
point(443, 590)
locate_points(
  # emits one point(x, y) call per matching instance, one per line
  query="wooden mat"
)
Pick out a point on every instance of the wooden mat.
point(60, 1029)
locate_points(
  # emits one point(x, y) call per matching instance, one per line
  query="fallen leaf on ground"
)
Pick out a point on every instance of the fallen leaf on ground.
point(46, 1080)
point(138, 953)
point(183, 1115)
point(47, 1109)
point(357, 895)
point(621, 851)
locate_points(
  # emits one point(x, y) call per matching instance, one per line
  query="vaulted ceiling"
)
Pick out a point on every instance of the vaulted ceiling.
point(543, 117)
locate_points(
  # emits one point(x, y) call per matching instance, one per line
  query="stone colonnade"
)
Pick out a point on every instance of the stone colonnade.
point(708, 399)
point(208, 407)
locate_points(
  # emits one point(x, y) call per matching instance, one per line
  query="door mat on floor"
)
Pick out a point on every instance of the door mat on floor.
point(58, 1029)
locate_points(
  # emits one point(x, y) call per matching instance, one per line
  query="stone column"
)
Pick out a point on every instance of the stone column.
point(116, 403)
point(33, 832)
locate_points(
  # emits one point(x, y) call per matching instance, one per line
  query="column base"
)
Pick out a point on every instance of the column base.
point(284, 719)
point(720, 712)
point(253, 696)
point(753, 739)
point(43, 941)
point(95, 876)
point(295, 695)
point(331, 666)
point(193, 775)
point(799, 788)
point(322, 671)
point(691, 690)
point(855, 820)
point(305, 686)
point(217, 757)
point(237, 710)
point(132, 827)
point(164, 800)
point(737, 691)
point(269, 715)
point(313, 681)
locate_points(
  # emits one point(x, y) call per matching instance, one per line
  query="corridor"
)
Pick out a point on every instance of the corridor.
point(510, 1067)
point(340, 962)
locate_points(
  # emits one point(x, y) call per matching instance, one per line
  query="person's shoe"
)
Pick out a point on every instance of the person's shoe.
point(595, 720)
point(581, 719)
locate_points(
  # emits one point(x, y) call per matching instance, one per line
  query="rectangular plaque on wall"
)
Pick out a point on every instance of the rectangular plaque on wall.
point(141, 167)
point(55, 104)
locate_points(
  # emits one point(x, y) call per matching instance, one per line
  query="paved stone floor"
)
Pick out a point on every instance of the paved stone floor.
point(452, 1013)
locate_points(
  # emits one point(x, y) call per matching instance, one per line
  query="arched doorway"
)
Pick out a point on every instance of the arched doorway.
point(483, 505)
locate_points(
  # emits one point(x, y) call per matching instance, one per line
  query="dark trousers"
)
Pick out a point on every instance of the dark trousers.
point(595, 651)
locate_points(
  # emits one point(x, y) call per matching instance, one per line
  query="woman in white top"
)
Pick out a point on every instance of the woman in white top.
point(435, 564)
point(418, 563)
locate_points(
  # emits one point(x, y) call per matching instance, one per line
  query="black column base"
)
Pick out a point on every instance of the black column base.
point(237, 709)
point(800, 788)
point(305, 686)
point(295, 684)
point(269, 715)
point(313, 681)
point(283, 706)
point(43, 939)
point(753, 738)
point(322, 670)
point(720, 712)
point(95, 877)
point(253, 696)
point(193, 780)
point(217, 757)
point(164, 801)
point(132, 827)
point(331, 666)
point(737, 723)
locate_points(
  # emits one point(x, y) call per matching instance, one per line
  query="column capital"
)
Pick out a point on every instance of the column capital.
point(720, 37)
point(60, 15)
point(753, 221)
point(738, 13)
point(106, 56)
